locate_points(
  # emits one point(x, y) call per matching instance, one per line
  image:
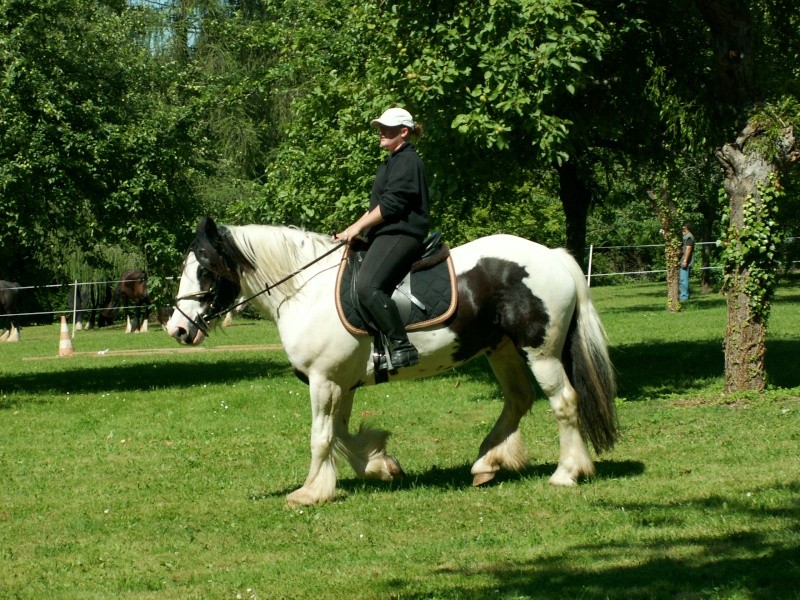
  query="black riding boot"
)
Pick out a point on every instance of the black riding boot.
point(387, 318)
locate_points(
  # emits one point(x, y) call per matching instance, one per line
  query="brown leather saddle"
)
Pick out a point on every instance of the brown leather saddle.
point(427, 296)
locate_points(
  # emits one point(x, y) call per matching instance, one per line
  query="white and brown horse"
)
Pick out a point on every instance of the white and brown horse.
point(525, 307)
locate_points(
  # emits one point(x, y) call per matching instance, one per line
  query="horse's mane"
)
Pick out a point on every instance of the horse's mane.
point(275, 252)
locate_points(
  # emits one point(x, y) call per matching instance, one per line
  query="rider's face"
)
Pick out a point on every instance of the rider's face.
point(393, 137)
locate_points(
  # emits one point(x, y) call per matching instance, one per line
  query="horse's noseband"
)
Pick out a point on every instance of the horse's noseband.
point(202, 321)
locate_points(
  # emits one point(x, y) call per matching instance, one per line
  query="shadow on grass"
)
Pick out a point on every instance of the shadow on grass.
point(650, 369)
point(144, 376)
point(459, 477)
point(698, 303)
point(659, 368)
point(643, 371)
point(743, 563)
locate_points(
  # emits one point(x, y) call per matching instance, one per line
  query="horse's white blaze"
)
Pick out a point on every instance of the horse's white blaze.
point(179, 322)
point(542, 294)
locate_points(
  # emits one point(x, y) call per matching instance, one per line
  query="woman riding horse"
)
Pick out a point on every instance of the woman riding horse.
point(525, 307)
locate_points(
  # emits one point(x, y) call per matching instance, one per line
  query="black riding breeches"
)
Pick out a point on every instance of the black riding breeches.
point(388, 260)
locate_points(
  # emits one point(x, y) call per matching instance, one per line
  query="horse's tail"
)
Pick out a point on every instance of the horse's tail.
point(589, 366)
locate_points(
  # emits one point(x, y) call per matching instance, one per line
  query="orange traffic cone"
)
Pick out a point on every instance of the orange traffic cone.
point(64, 343)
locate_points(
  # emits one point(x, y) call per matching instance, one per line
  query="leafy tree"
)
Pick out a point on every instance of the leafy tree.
point(497, 77)
point(96, 139)
point(754, 50)
point(483, 78)
point(716, 67)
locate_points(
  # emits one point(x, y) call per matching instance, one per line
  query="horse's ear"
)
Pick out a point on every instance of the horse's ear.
point(207, 227)
point(214, 250)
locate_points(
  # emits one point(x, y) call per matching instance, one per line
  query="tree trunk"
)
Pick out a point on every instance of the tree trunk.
point(672, 252)
point(575, 199)
point(745, 348)
point(705, 280)
point(665, 208)
point(180, 31)
point(709, 212)
point(746, 332)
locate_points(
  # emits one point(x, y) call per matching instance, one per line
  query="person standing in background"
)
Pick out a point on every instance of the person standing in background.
point(687, 259)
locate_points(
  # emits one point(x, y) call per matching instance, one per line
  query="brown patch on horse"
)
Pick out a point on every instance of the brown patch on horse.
point(133, 286)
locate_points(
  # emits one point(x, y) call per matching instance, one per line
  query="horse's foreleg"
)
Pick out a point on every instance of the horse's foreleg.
point(574, 461)
point(320, 484)
point(133, 314)
point(503, 446)
point(366, 453)
point(366, 450)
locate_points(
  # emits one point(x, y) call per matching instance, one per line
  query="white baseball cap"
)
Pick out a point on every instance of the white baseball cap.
point(394, 117)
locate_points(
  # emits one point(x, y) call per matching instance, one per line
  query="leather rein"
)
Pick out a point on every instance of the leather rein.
point(210, 295)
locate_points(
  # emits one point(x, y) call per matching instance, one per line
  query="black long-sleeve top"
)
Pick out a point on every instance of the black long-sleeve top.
point(401, 189)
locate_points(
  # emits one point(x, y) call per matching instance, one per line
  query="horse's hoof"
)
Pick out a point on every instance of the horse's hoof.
point(482, 478)
point(395, 469)
point(301, 497)
point(562, 478)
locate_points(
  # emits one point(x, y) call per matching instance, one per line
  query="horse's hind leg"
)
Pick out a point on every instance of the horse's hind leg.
point(574, 461)
point(503, 446)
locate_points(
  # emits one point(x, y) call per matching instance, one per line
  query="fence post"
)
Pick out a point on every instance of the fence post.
point(74, 306)
point(589, 268)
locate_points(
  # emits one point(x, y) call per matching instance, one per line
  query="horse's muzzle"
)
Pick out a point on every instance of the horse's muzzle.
point(190, 336)
point(184, 330)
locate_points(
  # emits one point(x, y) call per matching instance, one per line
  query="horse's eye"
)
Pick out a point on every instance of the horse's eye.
point(204, 275)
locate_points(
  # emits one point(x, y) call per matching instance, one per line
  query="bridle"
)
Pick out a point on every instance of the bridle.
point(211, 295)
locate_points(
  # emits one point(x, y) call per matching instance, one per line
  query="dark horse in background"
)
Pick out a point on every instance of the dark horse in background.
point(8, 308)
point(131, 297)
point(88, 301)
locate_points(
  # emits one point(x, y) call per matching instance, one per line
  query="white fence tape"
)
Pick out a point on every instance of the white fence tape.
point(75, 311)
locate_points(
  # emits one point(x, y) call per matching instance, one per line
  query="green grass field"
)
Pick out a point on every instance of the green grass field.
point(140, 469)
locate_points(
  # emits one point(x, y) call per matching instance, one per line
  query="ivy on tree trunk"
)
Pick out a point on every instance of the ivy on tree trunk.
point(750, 261)
point(664, 207)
